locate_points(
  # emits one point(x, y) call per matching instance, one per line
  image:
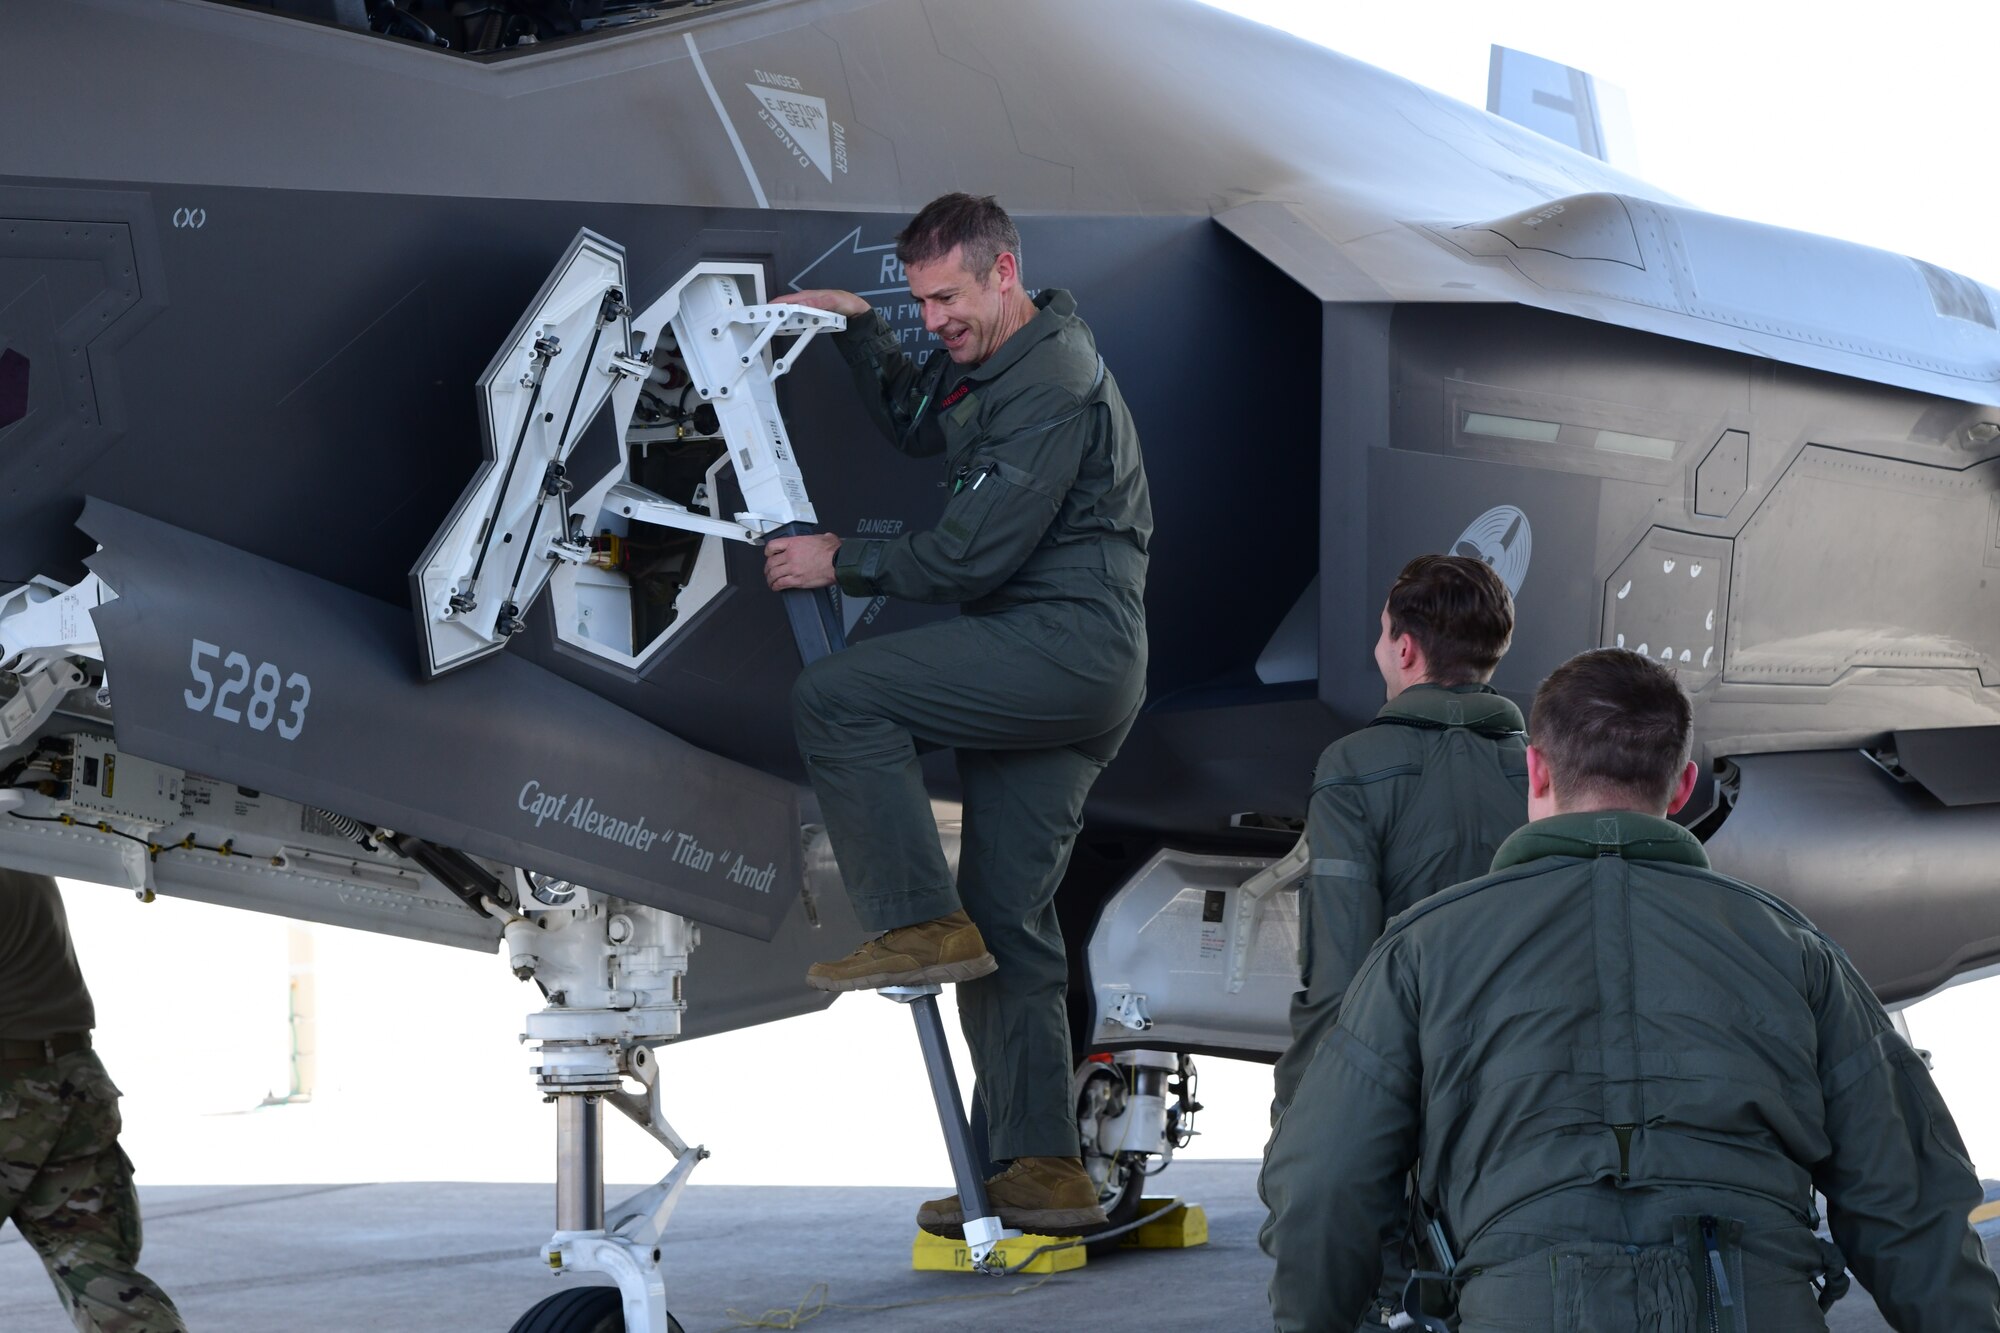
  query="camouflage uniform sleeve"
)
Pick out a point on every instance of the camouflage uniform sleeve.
point(1001, 504)
point(1897, 1181)
point(1334, 1172)
point(887, 378)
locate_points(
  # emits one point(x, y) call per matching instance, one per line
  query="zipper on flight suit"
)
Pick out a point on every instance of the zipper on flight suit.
point(1718, 1280)
point(930, 378)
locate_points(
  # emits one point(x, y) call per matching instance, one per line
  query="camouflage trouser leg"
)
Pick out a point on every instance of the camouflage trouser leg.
point(67, 1185)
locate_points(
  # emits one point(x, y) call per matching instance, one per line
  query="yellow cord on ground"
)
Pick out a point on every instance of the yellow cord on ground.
point(816, 1304)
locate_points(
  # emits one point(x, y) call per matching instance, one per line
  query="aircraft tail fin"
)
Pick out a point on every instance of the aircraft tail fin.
point(1568, 105)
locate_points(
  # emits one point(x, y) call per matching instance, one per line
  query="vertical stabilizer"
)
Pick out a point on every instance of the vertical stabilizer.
point(1563, 104)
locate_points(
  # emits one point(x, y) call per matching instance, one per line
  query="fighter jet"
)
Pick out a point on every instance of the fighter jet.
point(393, 397)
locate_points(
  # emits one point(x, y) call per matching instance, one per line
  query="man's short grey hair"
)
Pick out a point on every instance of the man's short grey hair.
point(973, 221)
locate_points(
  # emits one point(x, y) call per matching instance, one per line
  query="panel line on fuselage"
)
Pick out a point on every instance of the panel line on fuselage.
point(728, 126)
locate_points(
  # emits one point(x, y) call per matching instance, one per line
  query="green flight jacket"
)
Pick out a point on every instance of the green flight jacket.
point(1605, 1016)
point(1047, 493)
point(1413, 803)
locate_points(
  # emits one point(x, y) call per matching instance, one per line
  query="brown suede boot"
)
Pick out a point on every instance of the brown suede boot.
point(1043, 1196)
point(929, 953)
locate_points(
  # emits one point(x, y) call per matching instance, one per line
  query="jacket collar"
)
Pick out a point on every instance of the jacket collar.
point(1479, 707)
point(1625, 833)
point(1054, 309)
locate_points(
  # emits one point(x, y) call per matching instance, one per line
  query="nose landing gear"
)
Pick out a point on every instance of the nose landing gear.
point(582, 1310)
point(613, 973)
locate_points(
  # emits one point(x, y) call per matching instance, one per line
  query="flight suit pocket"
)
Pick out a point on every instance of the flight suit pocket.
point(1784, 1298)
point(975, 492)
point(1601, 1287)
point(988, 498)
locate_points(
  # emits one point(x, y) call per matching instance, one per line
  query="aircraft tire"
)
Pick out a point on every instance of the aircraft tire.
point(1124, 1206)
point(1125, 1185)
point(580, 1310)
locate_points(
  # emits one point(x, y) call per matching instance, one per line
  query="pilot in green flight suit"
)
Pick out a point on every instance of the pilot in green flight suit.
point(1624, 1076)
point(1421, 797)
point(1043, 544)
point(1414, 802)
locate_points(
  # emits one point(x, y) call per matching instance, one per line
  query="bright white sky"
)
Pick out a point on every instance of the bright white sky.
point(1872, 123)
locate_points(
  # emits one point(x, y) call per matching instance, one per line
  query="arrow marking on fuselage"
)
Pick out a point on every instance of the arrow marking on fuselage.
point(882, 265)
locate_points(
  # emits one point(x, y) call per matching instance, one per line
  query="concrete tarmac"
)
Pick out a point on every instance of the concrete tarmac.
point(450, 1257)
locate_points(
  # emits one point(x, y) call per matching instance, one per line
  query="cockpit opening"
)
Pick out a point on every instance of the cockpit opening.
point(487, 27)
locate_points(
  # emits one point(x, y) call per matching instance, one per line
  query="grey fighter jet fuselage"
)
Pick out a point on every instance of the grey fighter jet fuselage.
point(251, 267)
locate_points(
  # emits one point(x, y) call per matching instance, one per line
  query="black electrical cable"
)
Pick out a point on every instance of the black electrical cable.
point(1112, 1233)
point(188, 844)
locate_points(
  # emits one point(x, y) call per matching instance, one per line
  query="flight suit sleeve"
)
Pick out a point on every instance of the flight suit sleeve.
point(886, 377)
point(1897, 1182)
point(1002, 501)
point(1340, 911)
point(1334, 1172)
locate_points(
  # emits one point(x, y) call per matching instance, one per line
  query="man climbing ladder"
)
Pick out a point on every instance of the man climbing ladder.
point(1043, 543)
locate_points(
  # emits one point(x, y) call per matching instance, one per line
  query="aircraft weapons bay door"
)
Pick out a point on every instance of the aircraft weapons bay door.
point(495, 553)
point(633, 559)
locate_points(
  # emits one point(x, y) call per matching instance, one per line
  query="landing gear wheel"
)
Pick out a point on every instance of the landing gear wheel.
point(580, 1310)
point(1120, 1195)
point(1101, 1092)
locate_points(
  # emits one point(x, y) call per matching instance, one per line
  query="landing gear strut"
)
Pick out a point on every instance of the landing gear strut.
point(1128, 1111)
point(612, 972)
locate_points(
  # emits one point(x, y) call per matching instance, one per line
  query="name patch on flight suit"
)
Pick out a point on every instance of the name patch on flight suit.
point(963, 412)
